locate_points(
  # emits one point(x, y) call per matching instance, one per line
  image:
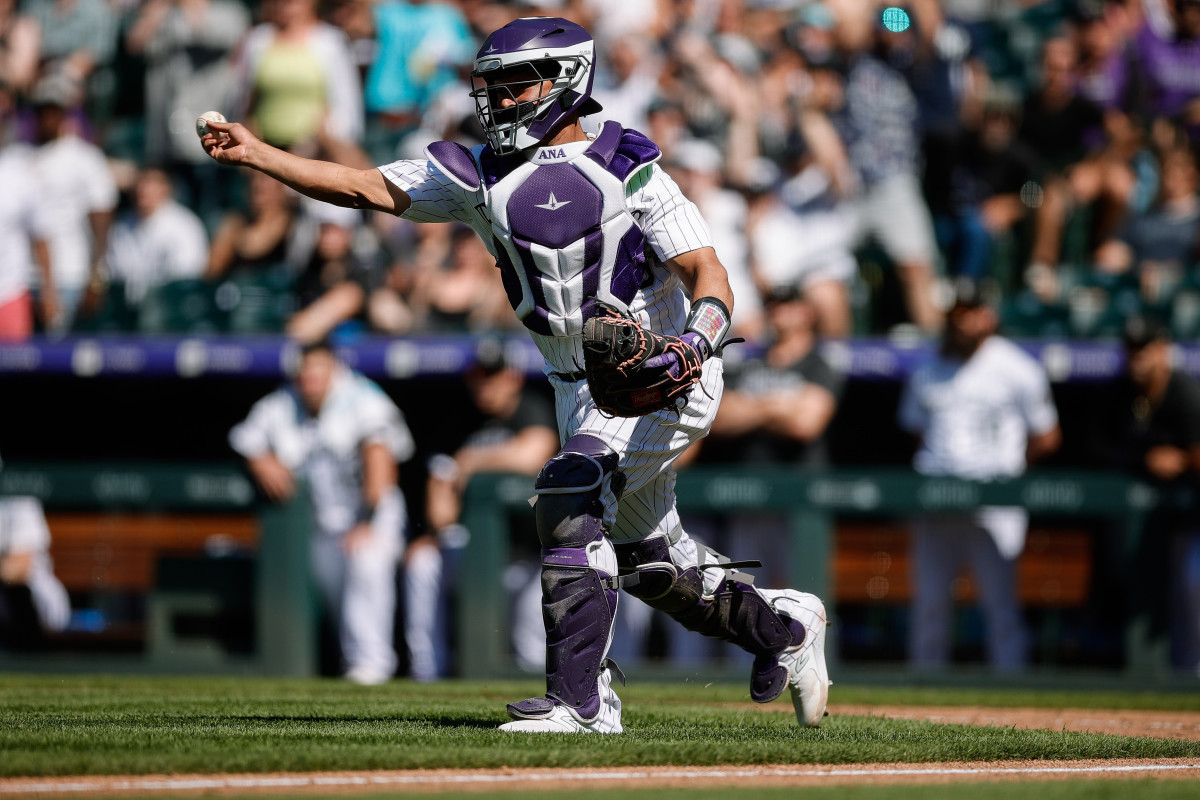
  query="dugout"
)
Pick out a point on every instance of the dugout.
point(146, 413)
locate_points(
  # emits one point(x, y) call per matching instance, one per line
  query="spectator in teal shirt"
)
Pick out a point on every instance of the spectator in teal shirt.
point(420, 47)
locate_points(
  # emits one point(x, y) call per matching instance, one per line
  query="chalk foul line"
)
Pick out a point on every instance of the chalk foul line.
point(195, 783)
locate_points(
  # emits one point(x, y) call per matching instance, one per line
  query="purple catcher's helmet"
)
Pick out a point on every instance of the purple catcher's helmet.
point(526, 51)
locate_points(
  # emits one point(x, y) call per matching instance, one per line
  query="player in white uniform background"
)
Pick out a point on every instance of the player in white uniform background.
point(576, 222)
point(345, 437)
point(983, 410)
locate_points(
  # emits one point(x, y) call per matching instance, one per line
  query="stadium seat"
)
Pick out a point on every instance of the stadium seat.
point(184, 306)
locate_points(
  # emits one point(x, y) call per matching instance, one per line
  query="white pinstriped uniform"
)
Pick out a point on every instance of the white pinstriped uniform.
point(647, 445)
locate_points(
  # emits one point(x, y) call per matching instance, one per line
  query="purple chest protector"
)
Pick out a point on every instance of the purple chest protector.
point(562, 234)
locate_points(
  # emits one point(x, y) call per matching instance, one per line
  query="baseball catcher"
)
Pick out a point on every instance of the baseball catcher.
point(612, 272)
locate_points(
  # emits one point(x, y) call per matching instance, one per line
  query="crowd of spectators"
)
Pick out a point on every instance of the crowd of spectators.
point(1048, 148)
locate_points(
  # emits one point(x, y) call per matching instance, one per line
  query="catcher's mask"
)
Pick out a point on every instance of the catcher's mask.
point(524, 52)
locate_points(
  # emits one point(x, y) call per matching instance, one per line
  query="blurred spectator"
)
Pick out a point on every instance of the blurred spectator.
point(1156, 429)
point(876, 115)
point(341, 270)
point(340, 434)
point(696, 165)
point(295, 77)
point(187, 46)
point(78, 36)
point(466, 293)
point(157, 242)
point(24, 231)
point(260, 238)
point(801, 235)
point(1167, 67)
point(1104, 60)
point(1162, 244)
point(356, 18)
point(33, 601)
point(78, 185)
point(20, 46)
point(1066, 132)
point(421, 45)
point(516, 433)
point(973, 182)
point(982, 410)
point(627, 80)
point(775, 410)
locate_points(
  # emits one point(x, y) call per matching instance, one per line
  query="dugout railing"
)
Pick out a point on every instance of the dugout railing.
point(284, 605)
point(811, 504)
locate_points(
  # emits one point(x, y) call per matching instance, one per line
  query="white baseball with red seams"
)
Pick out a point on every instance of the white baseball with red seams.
point(205, 118)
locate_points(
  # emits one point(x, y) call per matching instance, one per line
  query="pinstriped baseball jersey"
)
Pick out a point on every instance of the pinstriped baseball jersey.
point(570, 226)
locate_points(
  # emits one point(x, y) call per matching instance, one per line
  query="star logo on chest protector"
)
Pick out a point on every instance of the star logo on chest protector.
point(553, 204)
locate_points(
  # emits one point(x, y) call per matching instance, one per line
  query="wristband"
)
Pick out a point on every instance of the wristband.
point(709, 319)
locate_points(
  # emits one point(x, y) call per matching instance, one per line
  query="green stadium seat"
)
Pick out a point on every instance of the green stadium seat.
point(256, 302)
point(184, 306)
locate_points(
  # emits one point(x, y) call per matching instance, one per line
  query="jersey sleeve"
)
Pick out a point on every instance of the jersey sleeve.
point(1036, 402)
point(252, 437)
point(672, 223)
point(381, 422)
point(435, 198)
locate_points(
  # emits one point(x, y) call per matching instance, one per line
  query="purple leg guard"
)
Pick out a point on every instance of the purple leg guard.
point(735, 612)
point(579, 600)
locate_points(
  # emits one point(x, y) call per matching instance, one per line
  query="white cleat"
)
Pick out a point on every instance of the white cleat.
point(562, 719)
point(808, 676)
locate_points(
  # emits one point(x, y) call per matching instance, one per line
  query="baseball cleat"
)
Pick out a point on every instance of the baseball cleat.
point(547, 715)
point(561, 720)
point(808, 675)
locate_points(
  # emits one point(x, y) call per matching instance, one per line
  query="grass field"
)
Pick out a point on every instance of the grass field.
point(53, 726)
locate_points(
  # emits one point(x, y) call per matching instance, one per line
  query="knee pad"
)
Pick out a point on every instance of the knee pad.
point(570, 508)
point(730, 608)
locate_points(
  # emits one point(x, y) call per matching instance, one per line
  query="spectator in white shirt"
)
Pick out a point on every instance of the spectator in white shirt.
point(983, 411)
point(345, 438)
point(78, 185)
point(23, 233)
point(158, 242)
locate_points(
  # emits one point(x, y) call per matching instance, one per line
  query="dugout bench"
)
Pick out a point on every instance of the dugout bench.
point(861, 563)
point(205, 553)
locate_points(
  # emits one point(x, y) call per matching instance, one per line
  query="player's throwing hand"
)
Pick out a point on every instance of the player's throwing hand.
point(228, 142)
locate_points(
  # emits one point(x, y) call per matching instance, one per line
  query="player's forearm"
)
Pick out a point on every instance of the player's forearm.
point(524, 453)
point(703, 275)
point(321, 180)
point(380, 473)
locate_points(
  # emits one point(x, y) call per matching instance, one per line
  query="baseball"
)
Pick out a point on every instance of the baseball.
point(203, 120)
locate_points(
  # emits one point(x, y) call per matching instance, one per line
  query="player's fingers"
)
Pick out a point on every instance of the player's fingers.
point(220, 126)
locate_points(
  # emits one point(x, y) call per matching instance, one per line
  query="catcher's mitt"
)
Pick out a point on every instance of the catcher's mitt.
point(633, 371)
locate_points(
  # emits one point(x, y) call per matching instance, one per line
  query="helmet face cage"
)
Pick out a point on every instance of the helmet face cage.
point(526, 52)
point(496, 79)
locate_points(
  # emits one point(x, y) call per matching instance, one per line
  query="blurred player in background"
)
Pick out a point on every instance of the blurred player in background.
point(575, 223)
point(982, 410)
point(32, 600)
point(345, 438)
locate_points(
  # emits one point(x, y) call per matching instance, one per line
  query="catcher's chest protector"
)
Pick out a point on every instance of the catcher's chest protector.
point(561, 233)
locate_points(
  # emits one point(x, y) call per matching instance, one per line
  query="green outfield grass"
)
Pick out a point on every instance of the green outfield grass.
point(118, 725)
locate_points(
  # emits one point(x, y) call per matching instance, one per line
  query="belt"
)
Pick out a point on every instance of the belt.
point(570, 377)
